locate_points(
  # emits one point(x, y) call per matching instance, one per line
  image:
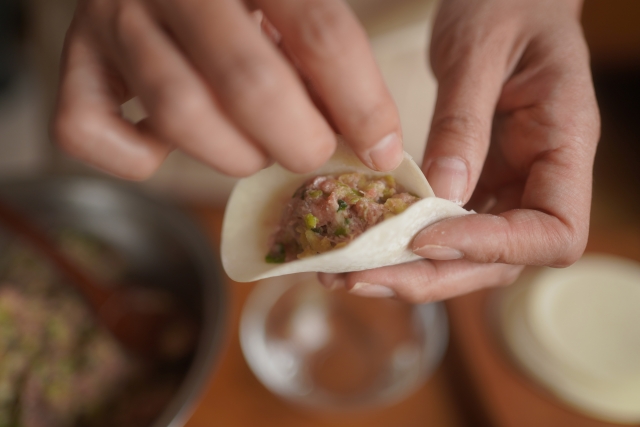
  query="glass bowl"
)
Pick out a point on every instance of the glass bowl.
point(336, 351)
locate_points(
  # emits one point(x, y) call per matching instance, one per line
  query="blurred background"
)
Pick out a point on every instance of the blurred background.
point(476, 384)
point(32, 33)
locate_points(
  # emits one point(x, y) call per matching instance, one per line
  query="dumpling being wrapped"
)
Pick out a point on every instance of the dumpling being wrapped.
point(342, 217)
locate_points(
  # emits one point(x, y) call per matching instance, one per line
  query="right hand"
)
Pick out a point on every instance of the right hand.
point(215, 87)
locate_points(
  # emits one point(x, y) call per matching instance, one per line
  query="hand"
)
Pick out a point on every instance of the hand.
point(217, 88)
point(515, 130)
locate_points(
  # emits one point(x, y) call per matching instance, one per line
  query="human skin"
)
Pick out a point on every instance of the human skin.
point(216, 87)
point(513, 136)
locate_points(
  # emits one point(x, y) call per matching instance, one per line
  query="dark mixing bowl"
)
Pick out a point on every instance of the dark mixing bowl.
point(161, 246)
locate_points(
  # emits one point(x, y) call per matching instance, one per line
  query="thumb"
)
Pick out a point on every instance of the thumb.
point(460, 133)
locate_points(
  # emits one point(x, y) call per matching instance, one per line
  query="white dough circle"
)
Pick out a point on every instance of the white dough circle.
point(588, 316)
point(577, 331)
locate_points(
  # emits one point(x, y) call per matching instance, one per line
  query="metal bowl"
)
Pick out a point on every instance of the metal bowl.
point(162, 246)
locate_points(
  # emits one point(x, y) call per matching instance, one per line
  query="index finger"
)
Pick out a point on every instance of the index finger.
point(551, 229)
point(251, 81)
point(87, 122)
point(333, 51)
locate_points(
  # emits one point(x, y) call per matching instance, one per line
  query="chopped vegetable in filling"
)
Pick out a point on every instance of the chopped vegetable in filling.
point(327, 212)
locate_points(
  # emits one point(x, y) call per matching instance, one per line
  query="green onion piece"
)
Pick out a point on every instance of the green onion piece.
point(342, 205)
point(276, 256)
point(310, 221)
point(340, 231)
point(274, 259)
point(314, 194)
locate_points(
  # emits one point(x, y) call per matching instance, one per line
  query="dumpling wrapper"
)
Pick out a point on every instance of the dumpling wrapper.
point(256, 204)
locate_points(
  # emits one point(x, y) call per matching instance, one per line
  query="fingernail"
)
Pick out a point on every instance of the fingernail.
point(387, 154)
point(331, 281)
point(488, 204)
point(338, 283)
point(370, 290)
point(448, 178)
point(268, 162)
point(440, 253)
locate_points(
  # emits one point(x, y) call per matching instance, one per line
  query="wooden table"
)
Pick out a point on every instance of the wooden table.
point(476, 385)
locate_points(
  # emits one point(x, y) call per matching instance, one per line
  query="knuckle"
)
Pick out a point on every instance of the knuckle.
point(247, 80)
point(126, 20)
point(81, 133)
point(300, 165)
point(179, 115)
point(323, 28)
point(178, 112)
point(145, 167)
point(463, 127)
point(233, 155)
point(241, 168)
point(420, 287)
point(453, 53)
point(573, 246)
point(135, 165)
point(74, 131)
point(494, 254)
point(381, 115)
point(311, 157)
point(441, 55)
point(501, 251)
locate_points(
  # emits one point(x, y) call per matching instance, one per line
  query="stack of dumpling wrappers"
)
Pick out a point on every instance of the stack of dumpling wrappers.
point(577, 332)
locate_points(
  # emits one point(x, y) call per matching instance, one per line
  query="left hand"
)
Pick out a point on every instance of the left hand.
point(513, 136)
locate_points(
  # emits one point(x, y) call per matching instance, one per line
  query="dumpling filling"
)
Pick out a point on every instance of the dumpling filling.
point(329, 211)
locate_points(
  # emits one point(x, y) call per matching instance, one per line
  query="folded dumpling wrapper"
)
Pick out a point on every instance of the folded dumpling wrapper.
point(257, 202)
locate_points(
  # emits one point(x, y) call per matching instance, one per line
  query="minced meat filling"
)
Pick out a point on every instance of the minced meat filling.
point(327, 212)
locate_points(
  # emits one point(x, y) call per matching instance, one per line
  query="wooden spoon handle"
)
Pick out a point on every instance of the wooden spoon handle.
point(96, 294)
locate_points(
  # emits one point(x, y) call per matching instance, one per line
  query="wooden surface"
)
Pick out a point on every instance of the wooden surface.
point(477, 384)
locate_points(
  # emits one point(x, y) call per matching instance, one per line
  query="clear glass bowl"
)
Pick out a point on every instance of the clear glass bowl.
point(336, 351)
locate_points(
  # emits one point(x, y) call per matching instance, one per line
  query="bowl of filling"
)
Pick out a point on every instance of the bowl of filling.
point(61, 364)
